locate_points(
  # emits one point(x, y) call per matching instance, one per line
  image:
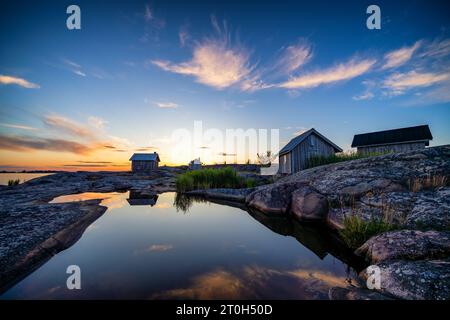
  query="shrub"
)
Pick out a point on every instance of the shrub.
point(184, 183)
point(13, 182)
point(250, 183)
point(357, 231)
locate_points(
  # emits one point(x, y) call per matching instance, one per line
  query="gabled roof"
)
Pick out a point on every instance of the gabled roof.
point(297, 140)
point(145, 157)
point(417, 133)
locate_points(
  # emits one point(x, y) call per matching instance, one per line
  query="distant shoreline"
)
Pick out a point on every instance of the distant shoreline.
point(33, 171)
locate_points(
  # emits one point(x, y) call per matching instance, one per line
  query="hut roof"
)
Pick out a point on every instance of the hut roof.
point(145, 157)
point(417, 133)
point(297, 140)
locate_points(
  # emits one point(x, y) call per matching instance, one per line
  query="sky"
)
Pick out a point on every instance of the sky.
point(137, 72)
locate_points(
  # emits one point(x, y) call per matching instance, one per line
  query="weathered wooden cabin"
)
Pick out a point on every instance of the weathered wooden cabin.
point(396, 140)
point(144, 162)
point(294, 156)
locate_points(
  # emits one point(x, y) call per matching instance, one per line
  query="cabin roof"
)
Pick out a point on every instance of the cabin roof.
point(417, 133)
point(297, 140)
point(145, 157)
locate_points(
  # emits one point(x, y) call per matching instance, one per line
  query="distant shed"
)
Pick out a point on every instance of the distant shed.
point(195, 164)
point(144, 162)
point(294, 156)
point(396, 140)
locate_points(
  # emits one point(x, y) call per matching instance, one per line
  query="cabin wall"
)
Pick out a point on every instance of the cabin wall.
point(313, 145)
point(285, 163)
point(143, 166)
point(392, 148)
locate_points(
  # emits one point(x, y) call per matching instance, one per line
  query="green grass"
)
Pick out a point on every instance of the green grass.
point(211, 178)
point(13, 182)
point(316, 161)
point(357, 231)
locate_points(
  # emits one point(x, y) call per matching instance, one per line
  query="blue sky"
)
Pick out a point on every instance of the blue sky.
point(138, 70)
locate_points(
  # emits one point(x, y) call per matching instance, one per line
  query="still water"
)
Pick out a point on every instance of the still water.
point(159, 248)
point(5, 177)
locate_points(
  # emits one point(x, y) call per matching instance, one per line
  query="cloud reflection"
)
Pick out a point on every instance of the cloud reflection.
point(256, 282)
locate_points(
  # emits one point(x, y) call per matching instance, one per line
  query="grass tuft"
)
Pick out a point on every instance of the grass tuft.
point(211, 178)
point(357, 231)
point(430, 182)
point(13, 182)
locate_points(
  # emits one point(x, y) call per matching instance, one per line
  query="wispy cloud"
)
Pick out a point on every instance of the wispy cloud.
point(300, 131)
point(68, 126)
point(17, 126)
point(166, 105)
point(398, 83)
point(213, 64)
point(183, 35)
point(25, 143)
point(97, 122)
point(400, 56)
point(368, 93)
point(215, 61)
point(95, 162)
point(160, 247)
point(293, 57)
point(148, 15)
point(4, 79)
point(437, 49)
point(73, 67)
point(341, 72)
point(79, 73)
point(153, 23)
point(72, 64)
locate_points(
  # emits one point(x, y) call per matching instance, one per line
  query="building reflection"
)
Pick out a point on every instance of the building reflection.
point(317, 238)
point(137, 198)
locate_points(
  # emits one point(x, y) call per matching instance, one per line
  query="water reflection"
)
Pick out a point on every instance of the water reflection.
point(138, 198)
point(183, 202)
point(214, 252)
point(112, 200)
point(319, 239)
point(257, 282)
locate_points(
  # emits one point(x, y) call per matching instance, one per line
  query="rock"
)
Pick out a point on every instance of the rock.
point(237, 195)
point(275, 198)
point(309, 205)
point(31, 229)
point(430, 210)
point(415, 280)
point(406, 245)
point(354, 293)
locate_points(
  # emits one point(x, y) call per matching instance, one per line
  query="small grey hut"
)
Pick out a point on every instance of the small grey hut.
point(396, 140)
point(144, 162)
point(294, 156)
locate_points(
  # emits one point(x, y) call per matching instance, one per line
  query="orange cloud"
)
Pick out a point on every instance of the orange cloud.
point(23, 143)
point(68, 126)
point(341, 72)
point(18, 81)
point(399, 57)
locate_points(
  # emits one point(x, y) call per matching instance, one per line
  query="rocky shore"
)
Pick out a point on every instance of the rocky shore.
point(32, 230)
point(409, 190)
